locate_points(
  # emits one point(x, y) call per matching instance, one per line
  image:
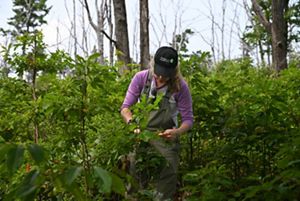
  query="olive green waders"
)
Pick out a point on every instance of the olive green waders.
point(159, 120)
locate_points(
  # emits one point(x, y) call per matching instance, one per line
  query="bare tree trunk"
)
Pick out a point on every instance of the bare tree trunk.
point(250, 18)
point(98, 28)
point(212, 43)
point(84, 40)
point(262, 54)
point(223, 29)
point(100, 25)
point(121, 33)
point(175, 33)
point(144, 34)
point(135, 53)
point(277, 30)
point(3, 62)
point(57, 38)
point(111, 32)
point(74, 29)
point(269, 54)
point(279, 34)
point(71, 32)
point(232, 30)
point(34, 96)
point(257, 55)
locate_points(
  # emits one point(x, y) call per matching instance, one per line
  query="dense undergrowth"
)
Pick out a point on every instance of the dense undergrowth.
point(245, 143)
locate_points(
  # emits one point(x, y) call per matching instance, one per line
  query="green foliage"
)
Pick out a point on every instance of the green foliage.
point(33, 57)
point(244, 121)
point(209, 183)
point(14, 158)
point(37, 153)
point(256, 36)
point(27, 189)
point(244, 144)
point(15, 109)
point(142, 109)
point(182, 40)
point(195, 63)
point(28, 16)
point(105, 181)
point(67, 110)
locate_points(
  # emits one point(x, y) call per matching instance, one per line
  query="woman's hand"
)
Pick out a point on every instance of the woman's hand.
point(127, 115)
point(169, 134)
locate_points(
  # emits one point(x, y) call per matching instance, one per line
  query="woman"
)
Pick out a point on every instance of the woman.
point(163, 78)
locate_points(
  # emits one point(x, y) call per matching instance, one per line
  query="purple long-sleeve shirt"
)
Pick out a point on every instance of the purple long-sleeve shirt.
point(183, 97)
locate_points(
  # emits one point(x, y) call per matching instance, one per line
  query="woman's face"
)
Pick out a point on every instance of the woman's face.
point(161, 79)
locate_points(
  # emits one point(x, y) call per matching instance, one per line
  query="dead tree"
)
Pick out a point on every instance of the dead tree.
point(277, 29)
point(111, 31)
point(144, 34)
point(98, 26)
point(121, 33)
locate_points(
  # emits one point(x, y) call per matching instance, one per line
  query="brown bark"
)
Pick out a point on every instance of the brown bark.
point(121, 32)
point(261, 17)
point(144, 34)
point(279, 34)
point(277, 29)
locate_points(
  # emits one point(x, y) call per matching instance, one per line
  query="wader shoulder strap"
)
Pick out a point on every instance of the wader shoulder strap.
point(147, 85)
point(168, 94)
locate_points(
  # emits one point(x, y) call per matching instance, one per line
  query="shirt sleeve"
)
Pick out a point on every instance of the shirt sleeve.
point(134, 90)
point(184, 104)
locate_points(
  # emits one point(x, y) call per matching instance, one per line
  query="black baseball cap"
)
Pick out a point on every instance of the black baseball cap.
point(165, 61)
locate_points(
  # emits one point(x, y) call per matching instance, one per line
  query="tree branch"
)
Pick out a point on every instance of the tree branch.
point(261, 17)
point(109, 38)
point(89, 15)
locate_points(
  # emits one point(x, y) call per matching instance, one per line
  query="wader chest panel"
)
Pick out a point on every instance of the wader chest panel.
point(163, 118)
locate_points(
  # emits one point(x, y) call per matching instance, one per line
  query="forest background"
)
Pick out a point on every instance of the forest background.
point(62, 137)
point(166, 19)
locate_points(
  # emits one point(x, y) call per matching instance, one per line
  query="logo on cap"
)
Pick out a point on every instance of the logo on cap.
point(166, 60)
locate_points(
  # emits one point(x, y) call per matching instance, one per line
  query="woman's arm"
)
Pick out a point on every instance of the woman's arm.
point(133, 93)
point(185, 108)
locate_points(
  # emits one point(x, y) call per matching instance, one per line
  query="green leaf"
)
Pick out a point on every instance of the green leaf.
point(28, 186)
point(14, 158)
point(77, 193)
point(4, 148)
point(293, 162)
point(146, 136)
point(37, 153)
point(117, 184)
point(106, 179)
point(71, 174)
point(93, 58)
point(2, 139)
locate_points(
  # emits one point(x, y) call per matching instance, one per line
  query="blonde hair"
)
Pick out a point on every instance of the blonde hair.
point(174, 83)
